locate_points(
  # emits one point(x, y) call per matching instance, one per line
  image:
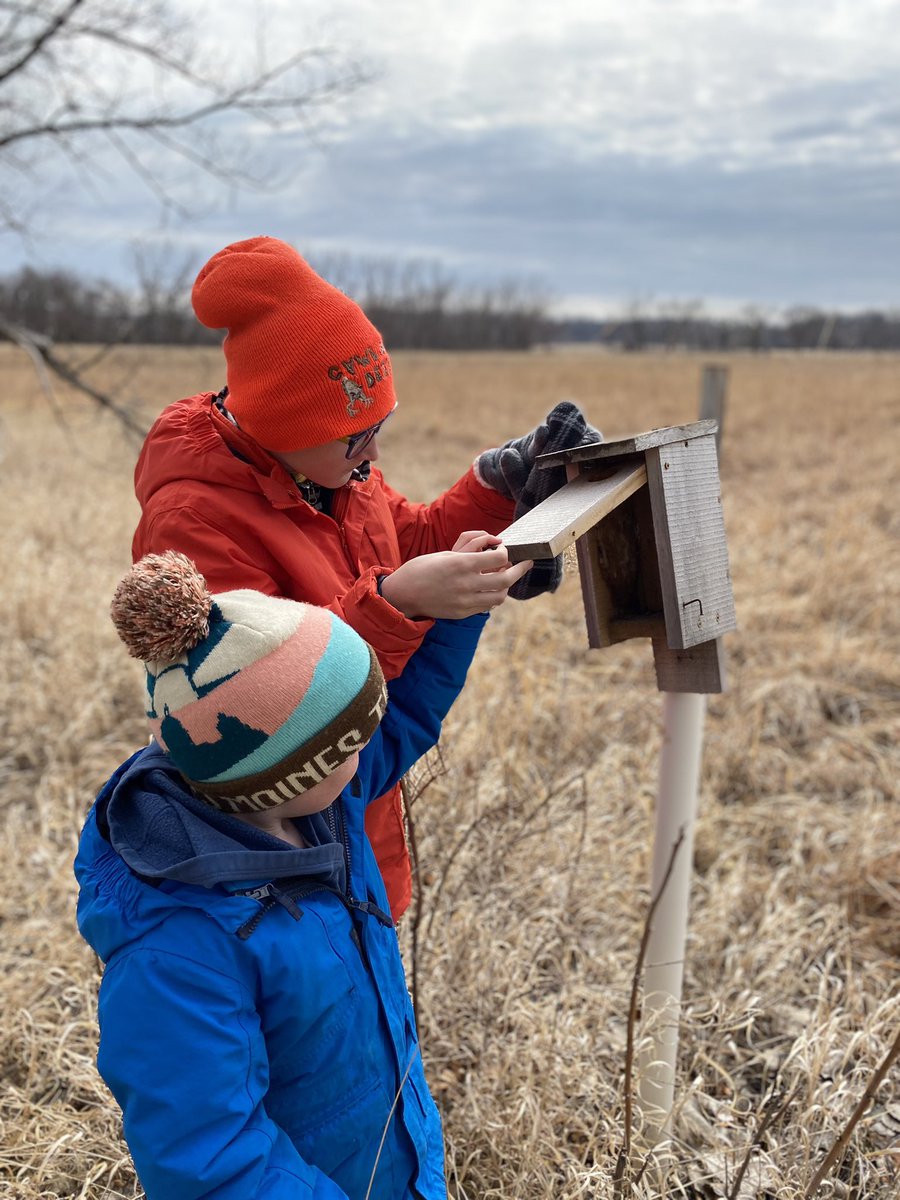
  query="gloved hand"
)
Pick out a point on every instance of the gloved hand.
point(510, 469)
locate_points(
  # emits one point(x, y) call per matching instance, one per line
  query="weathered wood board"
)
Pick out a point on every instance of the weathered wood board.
point(556, 523)
point(713, 398)
point(636, 444)
point(699, 669)
point(683, 479)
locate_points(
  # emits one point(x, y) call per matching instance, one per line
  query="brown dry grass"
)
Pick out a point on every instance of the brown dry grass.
point(535, 839)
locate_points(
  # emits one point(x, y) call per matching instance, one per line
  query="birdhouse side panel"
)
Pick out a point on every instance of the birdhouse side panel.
point(686, 501)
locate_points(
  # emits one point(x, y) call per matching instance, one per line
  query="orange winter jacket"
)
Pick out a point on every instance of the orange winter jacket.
point(208, 490)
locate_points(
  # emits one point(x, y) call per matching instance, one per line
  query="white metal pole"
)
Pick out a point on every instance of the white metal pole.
point(676, 810)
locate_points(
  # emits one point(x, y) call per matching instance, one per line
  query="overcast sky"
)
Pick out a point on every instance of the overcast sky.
point(735, 151)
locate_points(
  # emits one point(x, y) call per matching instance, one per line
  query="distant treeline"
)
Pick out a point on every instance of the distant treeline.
point(412, 308)
point(417, 306)
point(798, 329)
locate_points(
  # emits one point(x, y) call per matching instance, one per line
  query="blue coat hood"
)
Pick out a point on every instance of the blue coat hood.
point(164, 833)
point(163, 830)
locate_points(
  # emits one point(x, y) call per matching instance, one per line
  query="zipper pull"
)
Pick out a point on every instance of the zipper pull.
point(258, 893)
point(269, 891)
point(286, 902)
point(372, 910)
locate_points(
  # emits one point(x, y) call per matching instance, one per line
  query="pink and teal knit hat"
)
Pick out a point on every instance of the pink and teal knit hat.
point(254, 698)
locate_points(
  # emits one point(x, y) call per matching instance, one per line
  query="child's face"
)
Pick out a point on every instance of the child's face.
point(279, 820)
point(320, 795)
point(327, 465)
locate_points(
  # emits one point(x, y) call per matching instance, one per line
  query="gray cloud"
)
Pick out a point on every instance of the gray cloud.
point(613, 225)
point(676, 149)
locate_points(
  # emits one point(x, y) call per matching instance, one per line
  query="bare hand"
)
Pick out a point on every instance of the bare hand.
point(473, 577)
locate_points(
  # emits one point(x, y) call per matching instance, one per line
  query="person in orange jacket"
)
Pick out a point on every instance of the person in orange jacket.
point(269, 483)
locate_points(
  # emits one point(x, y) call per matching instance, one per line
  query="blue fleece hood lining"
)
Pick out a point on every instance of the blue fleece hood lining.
point(163, 830)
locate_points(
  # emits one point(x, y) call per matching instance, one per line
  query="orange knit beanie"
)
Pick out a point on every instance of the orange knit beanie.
point(304, 363)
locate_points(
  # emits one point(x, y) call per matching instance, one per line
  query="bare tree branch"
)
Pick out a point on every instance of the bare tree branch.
point(89, 85)
point(94, 75)
point(414, 785)
point(40, 349)
point(245, 98)
point(46, 35)
point(772, 1112)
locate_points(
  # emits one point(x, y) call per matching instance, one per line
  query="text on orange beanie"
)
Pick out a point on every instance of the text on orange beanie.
point(304, 363)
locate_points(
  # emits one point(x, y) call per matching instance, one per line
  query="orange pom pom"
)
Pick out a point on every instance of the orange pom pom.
point(161, 608)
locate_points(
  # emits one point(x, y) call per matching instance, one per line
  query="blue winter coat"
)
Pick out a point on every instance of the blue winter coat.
point(255, 1025)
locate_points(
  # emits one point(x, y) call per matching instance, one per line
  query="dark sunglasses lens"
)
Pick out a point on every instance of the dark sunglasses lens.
point(359, 441)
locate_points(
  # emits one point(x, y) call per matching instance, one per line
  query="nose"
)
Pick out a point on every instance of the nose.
point(371, 451)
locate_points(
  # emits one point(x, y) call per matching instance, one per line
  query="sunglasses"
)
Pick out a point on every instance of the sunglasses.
point(357, 442)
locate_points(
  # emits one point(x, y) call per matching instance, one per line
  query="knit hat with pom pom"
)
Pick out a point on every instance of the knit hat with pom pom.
point(305, 364)
point(254, 698)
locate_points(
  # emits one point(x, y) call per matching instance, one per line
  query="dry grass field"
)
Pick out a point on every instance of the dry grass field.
point(534, 829)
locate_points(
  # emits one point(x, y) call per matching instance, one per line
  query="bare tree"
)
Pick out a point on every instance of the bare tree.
point(91, 88)
point(162, 310)
point(81, 78)
point(417, 304)
point(756, 319)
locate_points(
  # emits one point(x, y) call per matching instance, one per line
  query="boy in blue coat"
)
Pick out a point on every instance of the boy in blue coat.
point(255, 1025)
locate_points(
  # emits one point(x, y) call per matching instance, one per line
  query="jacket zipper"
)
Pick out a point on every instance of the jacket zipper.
point(339, 504)
point(339, 833)
point(269, 894)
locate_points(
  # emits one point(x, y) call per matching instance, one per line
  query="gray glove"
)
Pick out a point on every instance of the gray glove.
point(511, 471)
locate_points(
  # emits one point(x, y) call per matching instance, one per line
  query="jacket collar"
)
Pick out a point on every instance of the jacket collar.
point(163, 831)
point(274, 478)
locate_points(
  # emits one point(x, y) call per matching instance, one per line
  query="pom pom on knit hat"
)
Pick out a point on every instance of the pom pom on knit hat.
point(256, 699)
point(161, 608)
point(304, 363)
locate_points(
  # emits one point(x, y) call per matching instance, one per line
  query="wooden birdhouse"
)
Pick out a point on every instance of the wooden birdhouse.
point(645, 514)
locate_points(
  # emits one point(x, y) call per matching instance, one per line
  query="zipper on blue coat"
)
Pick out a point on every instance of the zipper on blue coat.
point(268, 896)
point(371, 910)
point(269, 891)
point(336, 815)
point(257, 893)
point(363, 906)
